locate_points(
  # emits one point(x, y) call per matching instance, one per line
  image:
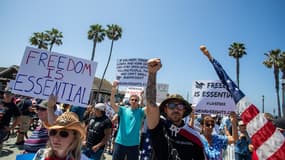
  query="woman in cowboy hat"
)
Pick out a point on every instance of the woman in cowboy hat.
point(65, 139)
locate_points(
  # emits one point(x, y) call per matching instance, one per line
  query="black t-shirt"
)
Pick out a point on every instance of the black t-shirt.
point(95, 131)
point(170, 146)
point(9, 110)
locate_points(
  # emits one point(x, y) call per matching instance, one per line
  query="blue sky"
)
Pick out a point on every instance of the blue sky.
point(168, 29)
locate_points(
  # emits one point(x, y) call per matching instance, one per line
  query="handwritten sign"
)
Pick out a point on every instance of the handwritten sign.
point(43, 73)
point(132, 72)
point(211, 97)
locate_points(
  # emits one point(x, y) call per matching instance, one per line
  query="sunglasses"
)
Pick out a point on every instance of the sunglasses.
point(174, 105)
point(62, 133)
point(210, 124)
point(135, 100)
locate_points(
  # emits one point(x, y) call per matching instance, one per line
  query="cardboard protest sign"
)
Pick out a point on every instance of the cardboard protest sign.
point(211, 97)
point(132, 91)
point(132, 72)
point(43, 73)
point(161, 92)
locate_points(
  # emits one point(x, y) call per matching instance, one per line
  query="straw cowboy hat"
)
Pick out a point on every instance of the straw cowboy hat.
point(67, 120)
point(179, 98)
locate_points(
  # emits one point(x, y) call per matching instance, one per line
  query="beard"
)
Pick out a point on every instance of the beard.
point(175, 117)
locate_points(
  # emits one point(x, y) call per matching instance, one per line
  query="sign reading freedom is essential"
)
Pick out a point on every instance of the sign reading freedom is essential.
point(132, 72)
point(43, 73)
point(211, 97)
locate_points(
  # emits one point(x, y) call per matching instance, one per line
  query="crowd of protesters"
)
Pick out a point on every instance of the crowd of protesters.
point(167, 131)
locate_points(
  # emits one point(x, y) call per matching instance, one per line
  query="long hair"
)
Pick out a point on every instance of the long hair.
point(74, 150)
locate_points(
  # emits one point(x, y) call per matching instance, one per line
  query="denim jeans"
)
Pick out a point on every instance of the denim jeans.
point(120, 151)
point(93, 155)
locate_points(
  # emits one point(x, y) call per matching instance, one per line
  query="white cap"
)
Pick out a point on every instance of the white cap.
point(100, 106)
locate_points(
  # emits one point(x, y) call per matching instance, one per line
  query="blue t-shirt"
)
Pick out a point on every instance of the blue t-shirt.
point(129, 126)
point(214, 152)
point(241, 145)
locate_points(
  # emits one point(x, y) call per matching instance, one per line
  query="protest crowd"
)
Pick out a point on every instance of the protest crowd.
point(130, 129)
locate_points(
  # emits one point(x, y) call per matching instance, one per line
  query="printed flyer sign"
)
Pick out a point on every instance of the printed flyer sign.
point(132, 72)
point(211, 97)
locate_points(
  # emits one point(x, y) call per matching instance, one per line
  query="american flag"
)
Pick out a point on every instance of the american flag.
point(268, 142)
point(146, 148)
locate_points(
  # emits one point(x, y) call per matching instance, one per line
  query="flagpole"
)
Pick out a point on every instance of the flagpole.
point(283, 96)
point(262, 103)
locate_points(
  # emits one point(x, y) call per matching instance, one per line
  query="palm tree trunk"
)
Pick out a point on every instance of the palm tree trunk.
point(101, 81)
point(50, 47)
point(93, 50)
point(276, 71)
point(92, 59)
point(283, 94)
point(51, 44)
point(237, 69)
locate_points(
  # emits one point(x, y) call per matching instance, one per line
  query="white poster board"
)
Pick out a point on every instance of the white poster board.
point(132, 72)
point(161, 92)
point(211, 97)
point(43, 73)
point(133, 90)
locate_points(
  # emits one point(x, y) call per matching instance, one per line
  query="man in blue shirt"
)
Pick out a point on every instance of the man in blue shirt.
point(131, 119)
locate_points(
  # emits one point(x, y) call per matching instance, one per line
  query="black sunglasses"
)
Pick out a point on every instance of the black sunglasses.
point(134, 100)
point(210, 124)
point(174, 105)
point(62, 133)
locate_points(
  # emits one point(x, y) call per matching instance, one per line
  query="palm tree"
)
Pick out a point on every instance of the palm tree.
point(54, 37)
point(272, 61)
point(237, 50)
point(282, 68)
point(39, 39)
point(96, 34)
point(114, 33)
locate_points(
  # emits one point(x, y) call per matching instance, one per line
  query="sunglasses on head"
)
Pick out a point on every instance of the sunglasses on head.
point(135, 100)
point(62, 133)
point(174, 105)
point(210, 124)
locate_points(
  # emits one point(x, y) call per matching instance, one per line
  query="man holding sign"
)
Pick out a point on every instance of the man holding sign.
point(131, 119)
